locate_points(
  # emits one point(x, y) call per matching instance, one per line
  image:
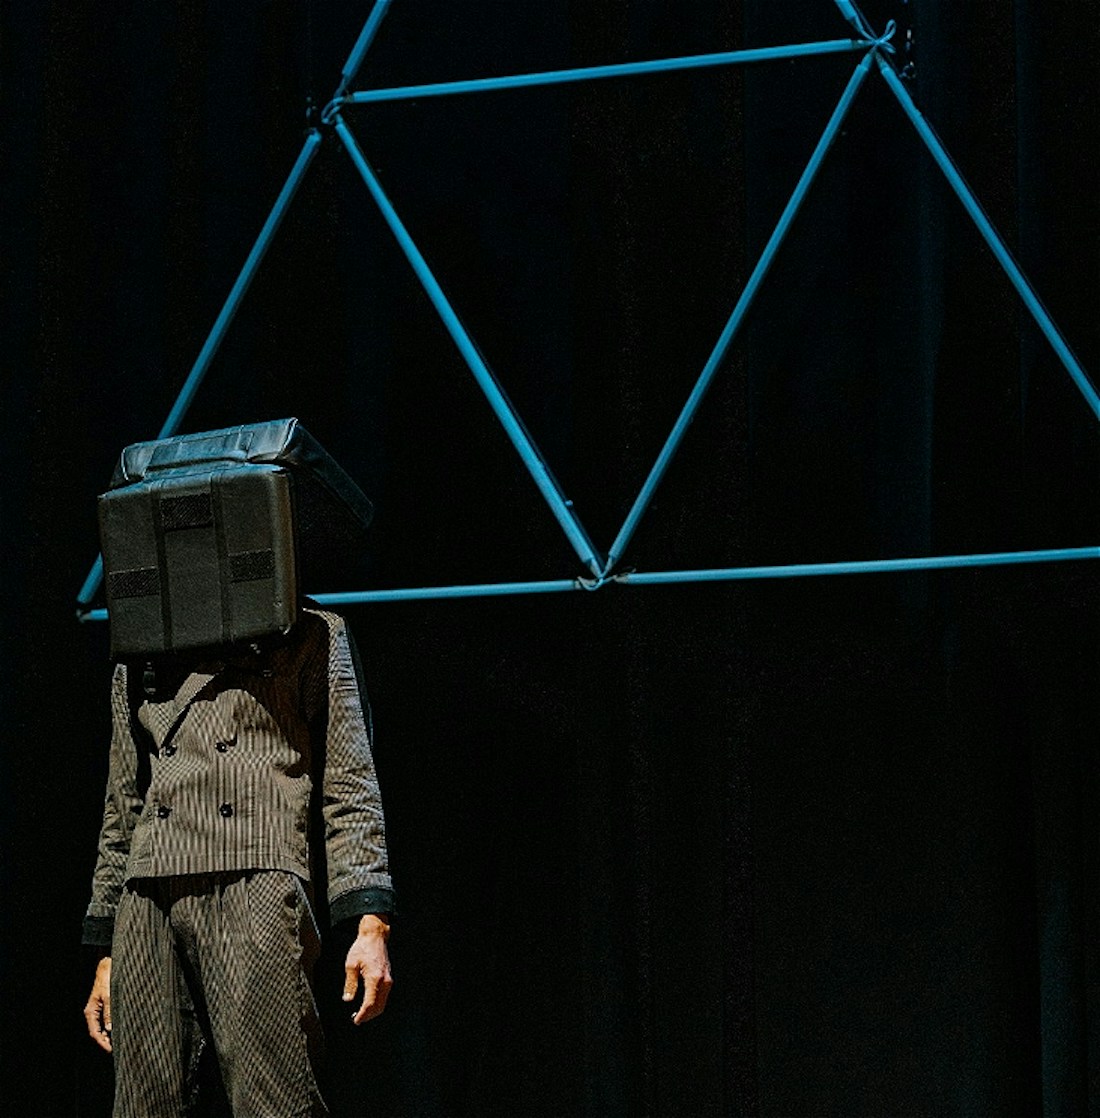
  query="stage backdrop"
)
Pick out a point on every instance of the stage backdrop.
point(816, 847)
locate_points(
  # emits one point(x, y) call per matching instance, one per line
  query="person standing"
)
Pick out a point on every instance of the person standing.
point(241, 797)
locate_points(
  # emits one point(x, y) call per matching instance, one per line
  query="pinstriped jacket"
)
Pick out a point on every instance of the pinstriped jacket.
point(227, 767)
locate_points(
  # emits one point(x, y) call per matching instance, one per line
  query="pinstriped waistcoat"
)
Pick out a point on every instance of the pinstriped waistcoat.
point(220, 768)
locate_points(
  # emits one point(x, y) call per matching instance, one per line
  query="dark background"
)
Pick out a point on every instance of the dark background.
point(825, 847)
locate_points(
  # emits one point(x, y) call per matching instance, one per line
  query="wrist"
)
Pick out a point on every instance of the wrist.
point(374, 924)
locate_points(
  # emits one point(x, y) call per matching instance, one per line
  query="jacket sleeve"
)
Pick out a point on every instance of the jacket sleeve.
point(351, 804)
point(121, 810)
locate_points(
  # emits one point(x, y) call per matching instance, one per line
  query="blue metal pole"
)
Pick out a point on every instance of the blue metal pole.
point(729, 574)
point(244, 280)
point(645, 495)
point(870, 566)
point(419, 594)
point(854, 17)
point(221, 325)
point(523, 443)
point(362, 45)
point(618, 70)
point(992, 237)
point(91, 584)
point(425, 593)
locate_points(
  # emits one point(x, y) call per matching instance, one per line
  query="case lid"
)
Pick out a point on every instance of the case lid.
point(324, 489)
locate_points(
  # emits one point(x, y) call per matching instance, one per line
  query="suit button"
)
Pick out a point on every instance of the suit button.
point(222, 746)
point(169, 750)
point(163, 811)
point(225, 811)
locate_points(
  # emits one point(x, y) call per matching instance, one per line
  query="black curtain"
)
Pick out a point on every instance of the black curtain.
point(799, 847)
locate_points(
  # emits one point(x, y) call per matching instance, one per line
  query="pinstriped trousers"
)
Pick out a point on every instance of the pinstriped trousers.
point(222, 959)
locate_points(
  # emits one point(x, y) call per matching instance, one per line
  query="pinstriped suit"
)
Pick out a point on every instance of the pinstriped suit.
point(215, 773)
point(227, 768)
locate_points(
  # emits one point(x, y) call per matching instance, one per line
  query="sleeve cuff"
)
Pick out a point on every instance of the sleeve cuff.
point(98, 931)
point(359, 901)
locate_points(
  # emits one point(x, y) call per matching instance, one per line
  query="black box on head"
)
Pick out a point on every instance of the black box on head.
point(205, 536)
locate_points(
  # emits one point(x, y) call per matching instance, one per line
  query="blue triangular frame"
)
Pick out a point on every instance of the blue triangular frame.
point(602, 570)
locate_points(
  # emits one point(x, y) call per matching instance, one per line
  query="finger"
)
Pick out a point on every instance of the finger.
point(107, 1011)
point(374, 998)
point(93, 1018)
point(366, 1010)
point(351, 982)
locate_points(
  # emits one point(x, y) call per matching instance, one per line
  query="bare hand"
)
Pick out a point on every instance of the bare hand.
point(369, 960)
point(97, 1013)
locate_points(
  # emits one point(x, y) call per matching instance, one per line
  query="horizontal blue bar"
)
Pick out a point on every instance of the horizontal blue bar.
point(728, 574)
point(618, 70)
point(423, 593)
point(867, 566)
point(420, 593)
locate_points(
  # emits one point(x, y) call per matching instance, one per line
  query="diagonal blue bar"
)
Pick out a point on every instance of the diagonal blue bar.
point(222, 322)
point(862, 567)
point(992, 237)
point(668, 451)
point(523, 443)
point(91, 584)
point(616, 70)
point(244, 281)
point(854, 16)
point(362, 45)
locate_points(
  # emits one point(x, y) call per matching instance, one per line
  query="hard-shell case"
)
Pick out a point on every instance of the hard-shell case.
point(204, 536)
